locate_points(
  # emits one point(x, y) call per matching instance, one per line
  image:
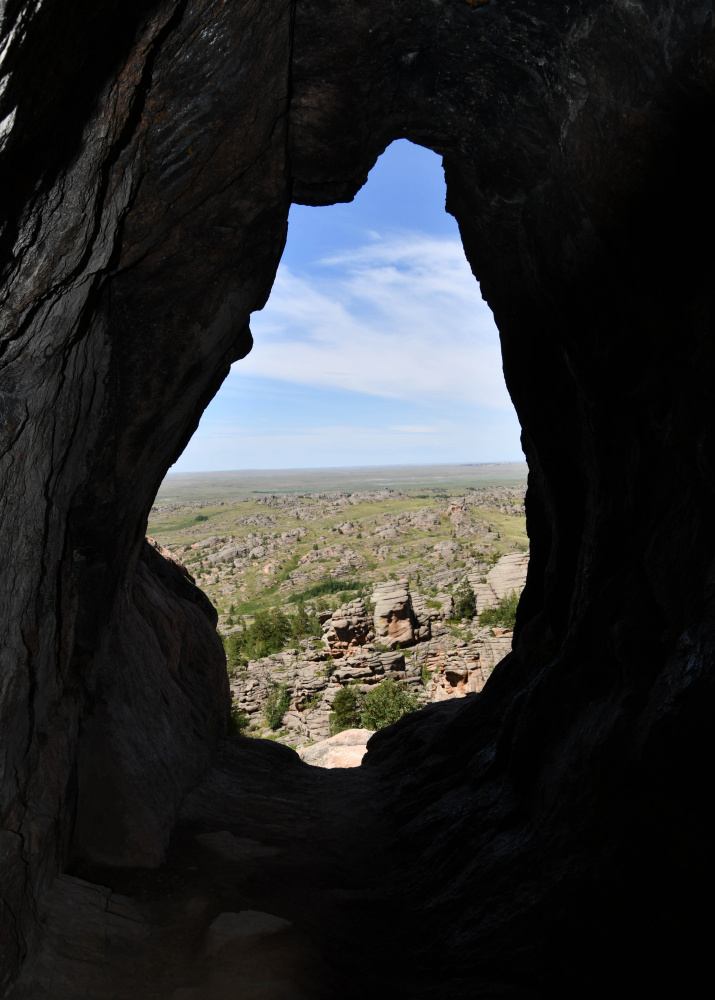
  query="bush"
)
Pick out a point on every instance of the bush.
point(304, 625)
point(200, 517)
point(387, 703)
point(268, 633)
point(504, 615)
point(277, 704)
point(465, 605)
point(238, 722)
point(346, 711)
point(326, 587)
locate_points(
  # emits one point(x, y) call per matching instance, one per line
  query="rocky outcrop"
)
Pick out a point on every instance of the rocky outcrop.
point(394, 618)
point(439, 664)
point(312, 681)
point(458, 667)
point(508, 575)
point(150, 155)
point(347, 629)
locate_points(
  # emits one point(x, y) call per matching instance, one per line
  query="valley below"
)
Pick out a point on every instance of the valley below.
point(345, 609)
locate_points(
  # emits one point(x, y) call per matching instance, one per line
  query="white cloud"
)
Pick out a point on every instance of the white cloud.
point(224, 444)
point(401, 317)
point(414, 429)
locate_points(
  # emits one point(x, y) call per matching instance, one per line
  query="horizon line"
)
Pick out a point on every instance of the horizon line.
point(338, 468)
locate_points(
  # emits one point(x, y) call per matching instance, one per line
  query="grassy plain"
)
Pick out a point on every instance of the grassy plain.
point(291, 542)
point(206, 486)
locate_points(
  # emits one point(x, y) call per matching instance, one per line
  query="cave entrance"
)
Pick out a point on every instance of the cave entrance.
point(382, 470)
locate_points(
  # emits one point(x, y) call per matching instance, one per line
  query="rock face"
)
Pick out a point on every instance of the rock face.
point(347, 629)
point(163, 697)
point(311, 681)
point(440, 665)
point(394, 617)
point(508, 575)
point(150, 154)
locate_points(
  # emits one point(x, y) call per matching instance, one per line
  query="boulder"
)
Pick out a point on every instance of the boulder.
point(346, 749)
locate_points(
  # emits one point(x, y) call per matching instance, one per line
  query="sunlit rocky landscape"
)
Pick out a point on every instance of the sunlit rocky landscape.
point(354, 588)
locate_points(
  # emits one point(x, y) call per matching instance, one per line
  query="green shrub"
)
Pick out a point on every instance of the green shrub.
point(277, 704)
point(268, 633)
point(504, 615)
point(387, 703)
point(346, 711)
point(200, 517)
point(238, 722)
point(326, 587)
point(312, 702)
point(304, 625)
point(465, 605)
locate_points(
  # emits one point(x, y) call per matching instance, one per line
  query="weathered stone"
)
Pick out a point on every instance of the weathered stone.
point(347, 629)
point(150, 154)
point(345, 749)
point(393, 617)
point(508, 575)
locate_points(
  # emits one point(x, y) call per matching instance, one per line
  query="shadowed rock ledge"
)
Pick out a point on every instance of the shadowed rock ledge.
point(552, 830)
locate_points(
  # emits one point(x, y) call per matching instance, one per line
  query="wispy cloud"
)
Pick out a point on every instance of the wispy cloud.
point(223, 444)
point(414, 429)
point(400, 317)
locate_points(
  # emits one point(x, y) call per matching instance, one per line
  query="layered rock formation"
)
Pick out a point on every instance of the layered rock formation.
point(394, 617)
point(438, 663)
point(150, 154)
point(508, 575)
point(347, 629)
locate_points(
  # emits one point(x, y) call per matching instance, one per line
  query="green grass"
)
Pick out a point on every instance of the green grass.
point(251, 590)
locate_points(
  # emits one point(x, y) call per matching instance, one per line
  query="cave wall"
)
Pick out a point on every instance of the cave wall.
point(145, 201)
point(147, 175)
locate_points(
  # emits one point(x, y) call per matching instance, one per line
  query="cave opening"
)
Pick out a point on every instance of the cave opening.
point(375, 352)
point(148, 194)
point(375, 346)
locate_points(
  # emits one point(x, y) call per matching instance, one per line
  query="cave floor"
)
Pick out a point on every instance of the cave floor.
point(274, 888)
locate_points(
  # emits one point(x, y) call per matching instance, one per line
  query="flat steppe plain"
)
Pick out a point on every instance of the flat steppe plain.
point(191, 486)
point(299, 528)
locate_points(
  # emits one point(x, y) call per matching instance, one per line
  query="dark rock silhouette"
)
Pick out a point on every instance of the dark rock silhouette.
point(552, 829)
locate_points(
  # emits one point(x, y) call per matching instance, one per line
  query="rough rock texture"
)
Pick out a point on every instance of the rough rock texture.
point(150, 152)
point(347, 629)
point(458, 667)
point(345, 749)
point(442, 663)
point(266, 884)
point(312, 683)
point(394, 618)
point(508, 575)
point(161, 708)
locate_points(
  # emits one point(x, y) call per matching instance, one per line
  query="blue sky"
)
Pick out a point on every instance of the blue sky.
point(375, 347)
